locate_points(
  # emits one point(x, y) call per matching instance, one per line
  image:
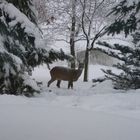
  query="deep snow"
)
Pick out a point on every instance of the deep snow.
point(84, 113)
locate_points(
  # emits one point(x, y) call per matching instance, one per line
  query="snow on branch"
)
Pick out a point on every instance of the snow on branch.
point(16, 17)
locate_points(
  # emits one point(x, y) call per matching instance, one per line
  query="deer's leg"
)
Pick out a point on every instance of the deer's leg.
point(52, 80)
point(70, 84)
point(58, 83)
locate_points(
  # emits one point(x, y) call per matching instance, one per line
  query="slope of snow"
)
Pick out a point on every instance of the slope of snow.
point(84, 113)
point(87, 97)
point(25, 119)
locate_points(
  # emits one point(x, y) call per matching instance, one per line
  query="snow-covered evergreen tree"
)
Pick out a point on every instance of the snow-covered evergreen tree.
point(26, 7)
point(128, 22)
point(21, 47)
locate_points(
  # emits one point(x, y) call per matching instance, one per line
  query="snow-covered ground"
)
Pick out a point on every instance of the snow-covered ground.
point(84, 113)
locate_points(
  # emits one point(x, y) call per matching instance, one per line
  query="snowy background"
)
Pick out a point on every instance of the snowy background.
point(84, 113)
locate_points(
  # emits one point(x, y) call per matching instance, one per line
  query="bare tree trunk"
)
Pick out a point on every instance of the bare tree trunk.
point(72, 42)
point(72, 34)
point(86, 65)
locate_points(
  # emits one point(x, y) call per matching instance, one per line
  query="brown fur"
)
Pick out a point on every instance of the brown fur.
point(65, 74)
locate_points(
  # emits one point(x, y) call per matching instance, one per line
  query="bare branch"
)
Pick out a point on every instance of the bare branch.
point(63, 40)
point(100, 4)
point(99, 34)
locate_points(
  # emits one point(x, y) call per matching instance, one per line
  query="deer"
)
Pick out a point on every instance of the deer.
point(60, 73)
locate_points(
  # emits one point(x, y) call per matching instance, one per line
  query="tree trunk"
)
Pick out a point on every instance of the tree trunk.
point(72, 50)
point(86, 65)
point(72, 34)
